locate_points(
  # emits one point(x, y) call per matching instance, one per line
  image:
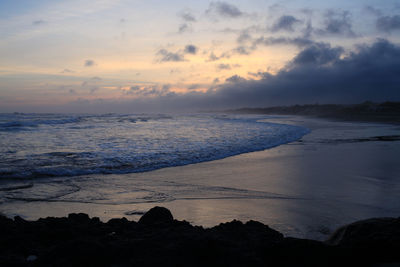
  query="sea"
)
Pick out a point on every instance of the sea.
point(302, 176)
point(52, 145)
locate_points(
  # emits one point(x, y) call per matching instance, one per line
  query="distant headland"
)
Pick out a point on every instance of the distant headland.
point(387, 112)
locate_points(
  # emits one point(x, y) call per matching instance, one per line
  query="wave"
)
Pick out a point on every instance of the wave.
point(111, 144)
point(26, 124)
point(21, 121)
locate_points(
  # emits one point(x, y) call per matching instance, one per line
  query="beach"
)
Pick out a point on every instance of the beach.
point(336, 174)
point(204, 133)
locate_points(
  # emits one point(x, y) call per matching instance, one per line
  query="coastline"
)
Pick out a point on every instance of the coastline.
point(386, 112)
point(303, 189)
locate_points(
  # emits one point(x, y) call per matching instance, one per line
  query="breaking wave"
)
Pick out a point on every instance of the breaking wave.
point(54, 145)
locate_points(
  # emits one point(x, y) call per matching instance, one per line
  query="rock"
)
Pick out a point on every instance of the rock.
point(79, 217)
point(5, 221)
point(257, 228)
point(119, 222)
point(19, 220)
point(251, 231)
point(31, 258)
point(369, 241)
point(159, 240)
point(376, 232)
point(156, 215)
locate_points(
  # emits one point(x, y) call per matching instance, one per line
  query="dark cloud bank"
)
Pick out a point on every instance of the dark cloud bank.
point(317, 74)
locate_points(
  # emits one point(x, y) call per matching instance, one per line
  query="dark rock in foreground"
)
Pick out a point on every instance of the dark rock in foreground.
point(159, 240)
point(156, 215)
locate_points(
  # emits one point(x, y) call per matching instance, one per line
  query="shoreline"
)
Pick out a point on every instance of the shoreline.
point(302, 189)
point(81, 241)
point(131, 149)
point(386, 112)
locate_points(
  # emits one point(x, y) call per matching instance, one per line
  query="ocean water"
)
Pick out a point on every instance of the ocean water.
point(53, 145)
point(303, 183)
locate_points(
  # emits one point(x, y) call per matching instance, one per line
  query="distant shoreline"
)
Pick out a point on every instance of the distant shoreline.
point(387, 112)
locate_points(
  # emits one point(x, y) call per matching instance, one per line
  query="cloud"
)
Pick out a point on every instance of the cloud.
point(173, 71)
point(370, 72)
point(337, 23)
point(307, 11)
point(223, 66)
point(184, 27)
point(321, 74)
point(227, 66)
point(308, 30)
point(38, 22)
point(259, 74)
point(212, 57)
point(188, 19)
point(388, 23)
point(67, 71)
point(243, 37)
point(239, 50)
point(296, 41)
point(89, 63)
point(167, 56)
point(190, 49)
point(235, 79)
point(372, 10)
point(242, 50)
point(194, 86)
point(91, 82)
point(285, 23)
point(318, 54)
point(274, 8)
point(93, 89)
point(149, 91)
point(187, 16)
point(134, 89)
point(224, 9)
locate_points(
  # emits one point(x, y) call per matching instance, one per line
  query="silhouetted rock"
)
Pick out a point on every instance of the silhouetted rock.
point(79, 217)
point(376, 231)
point(159, 240)
point(156, 215)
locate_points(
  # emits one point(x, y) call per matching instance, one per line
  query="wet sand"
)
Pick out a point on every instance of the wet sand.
point(303, 189)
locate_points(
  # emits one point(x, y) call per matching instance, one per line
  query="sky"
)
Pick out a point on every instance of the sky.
point(157, 56)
